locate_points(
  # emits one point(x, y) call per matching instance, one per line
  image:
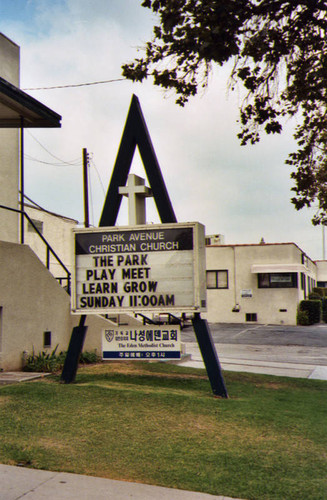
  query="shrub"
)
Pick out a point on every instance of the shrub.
point(324, 309)
point(52, 362)
point(313, 309)
point(44, 361)
point(314, 296)
point(302, 318)
point(89, 357)
point(320, 291)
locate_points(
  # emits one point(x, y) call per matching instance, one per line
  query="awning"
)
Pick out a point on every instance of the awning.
point(278, 268)
point(18, 109)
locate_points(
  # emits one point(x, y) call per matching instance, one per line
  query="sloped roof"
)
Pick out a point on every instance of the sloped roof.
point(16, 105)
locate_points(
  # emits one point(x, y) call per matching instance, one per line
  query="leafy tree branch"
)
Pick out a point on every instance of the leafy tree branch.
point(279, 50)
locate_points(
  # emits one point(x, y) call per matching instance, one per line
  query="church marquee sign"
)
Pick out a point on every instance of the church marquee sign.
point(153, 268)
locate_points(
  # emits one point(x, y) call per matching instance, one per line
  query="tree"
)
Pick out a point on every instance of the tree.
point(279, 54)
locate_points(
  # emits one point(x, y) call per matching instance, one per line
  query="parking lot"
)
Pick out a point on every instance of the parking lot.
point(292, 351)
point(254, 334)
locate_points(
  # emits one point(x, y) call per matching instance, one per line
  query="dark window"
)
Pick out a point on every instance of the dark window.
point(251, 317)
point(322, 284)
point(37, 223)
point(217, 279)
point(46, 339)
point(277, 280)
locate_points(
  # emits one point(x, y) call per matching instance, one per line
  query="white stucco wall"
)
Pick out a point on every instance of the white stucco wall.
point(32, 302)
point(9, 147)
point(321, 270)
point(57, 230)
point(272, 305)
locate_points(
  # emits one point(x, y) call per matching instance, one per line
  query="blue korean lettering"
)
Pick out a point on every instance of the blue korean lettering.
point(173, 335)
point(133, 335)
point(149, 335)
point(165, 335)
point(157, 335)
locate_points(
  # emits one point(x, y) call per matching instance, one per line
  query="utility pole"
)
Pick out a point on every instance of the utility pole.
point(86, 188)
point(79, 332)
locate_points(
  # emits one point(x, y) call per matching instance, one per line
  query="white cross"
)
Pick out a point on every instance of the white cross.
point(136, 191)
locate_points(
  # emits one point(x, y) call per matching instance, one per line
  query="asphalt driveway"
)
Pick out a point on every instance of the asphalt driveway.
point(254, 334)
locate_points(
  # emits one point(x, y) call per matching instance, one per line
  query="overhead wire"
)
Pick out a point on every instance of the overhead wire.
point(77, 84)
point(76, 161)
point(31, 158)
point(92, 163)
point(71, 163)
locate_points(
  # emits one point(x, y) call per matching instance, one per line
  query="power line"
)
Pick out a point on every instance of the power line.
point(98, 174)
point(31, 158)
point(70, 163)
point(77, 84)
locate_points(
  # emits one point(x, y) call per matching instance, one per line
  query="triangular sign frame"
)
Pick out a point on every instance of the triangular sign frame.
point(136, 134)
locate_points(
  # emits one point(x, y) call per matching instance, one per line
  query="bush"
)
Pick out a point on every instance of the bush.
point(313, 309)
point(52, 362)
point(314, 296)
point(89, 357)
point(320, 291)
point(302, 318)
point(324, 309)
point(44, 361)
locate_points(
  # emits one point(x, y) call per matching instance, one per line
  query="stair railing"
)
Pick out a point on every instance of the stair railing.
point(49, 249)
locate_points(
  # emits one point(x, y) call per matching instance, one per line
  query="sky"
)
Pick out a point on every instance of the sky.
point(240, 192)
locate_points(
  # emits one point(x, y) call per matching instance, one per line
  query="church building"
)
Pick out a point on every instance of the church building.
point(34, 304)
point(261, 283)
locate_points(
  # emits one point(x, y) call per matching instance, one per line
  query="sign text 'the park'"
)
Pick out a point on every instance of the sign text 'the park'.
point(156, 267)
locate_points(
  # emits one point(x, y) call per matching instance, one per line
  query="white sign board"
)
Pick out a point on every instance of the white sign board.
point(143, 268)
point(150, 342)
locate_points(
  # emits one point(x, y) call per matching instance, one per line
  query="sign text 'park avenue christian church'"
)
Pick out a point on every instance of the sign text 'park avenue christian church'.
point(156, 267)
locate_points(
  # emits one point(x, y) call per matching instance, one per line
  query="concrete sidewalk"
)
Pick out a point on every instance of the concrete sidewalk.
point(286, 361)
point(31, 484)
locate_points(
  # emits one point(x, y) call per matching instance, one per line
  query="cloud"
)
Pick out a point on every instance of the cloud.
point(242, 192)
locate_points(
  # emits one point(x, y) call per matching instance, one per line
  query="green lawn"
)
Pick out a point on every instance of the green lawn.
point(159, 424)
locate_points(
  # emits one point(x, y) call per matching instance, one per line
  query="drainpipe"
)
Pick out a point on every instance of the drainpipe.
point(236, 307)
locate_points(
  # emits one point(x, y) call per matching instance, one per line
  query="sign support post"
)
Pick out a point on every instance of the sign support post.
point(136, 134)
point(209, 356)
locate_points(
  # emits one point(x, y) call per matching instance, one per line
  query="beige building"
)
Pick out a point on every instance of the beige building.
point(57, 231)
point(321, 273)
point(261, 283)
point(34, 304)
point(9, 147)
point(245, 283)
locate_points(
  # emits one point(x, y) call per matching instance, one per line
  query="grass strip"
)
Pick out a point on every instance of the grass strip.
point(159, 424)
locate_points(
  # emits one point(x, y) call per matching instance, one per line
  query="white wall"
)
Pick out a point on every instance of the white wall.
point(32, 302)
point(57, 230)
point(272, 305)
point(322, 270)
point(9, 147)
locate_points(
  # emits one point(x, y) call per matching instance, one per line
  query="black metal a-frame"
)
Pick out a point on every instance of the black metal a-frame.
point(136, 134)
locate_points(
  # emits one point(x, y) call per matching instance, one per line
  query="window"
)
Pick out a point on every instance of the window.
point(251, 317)
point(277, 280)
point(217, 279)
point(46, 339)
point(37, 223)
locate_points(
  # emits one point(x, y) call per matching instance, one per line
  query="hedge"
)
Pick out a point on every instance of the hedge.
point(313, 309)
